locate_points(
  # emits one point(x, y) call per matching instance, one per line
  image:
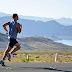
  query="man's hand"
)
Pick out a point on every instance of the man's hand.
point(6, 33)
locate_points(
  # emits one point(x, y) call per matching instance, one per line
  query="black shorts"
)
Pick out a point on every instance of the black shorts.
point(12, 42)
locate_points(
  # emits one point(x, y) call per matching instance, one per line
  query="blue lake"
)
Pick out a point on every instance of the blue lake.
point(67, 42)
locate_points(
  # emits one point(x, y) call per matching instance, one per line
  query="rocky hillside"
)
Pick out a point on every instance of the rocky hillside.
point(35, 44)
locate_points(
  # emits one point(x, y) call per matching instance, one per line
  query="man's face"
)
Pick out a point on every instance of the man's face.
point(16, 18)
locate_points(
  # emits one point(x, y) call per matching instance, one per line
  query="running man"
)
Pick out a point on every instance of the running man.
point(14, 29)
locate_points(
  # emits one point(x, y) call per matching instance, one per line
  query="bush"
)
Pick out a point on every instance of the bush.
point(23, 60)
point(32, 59)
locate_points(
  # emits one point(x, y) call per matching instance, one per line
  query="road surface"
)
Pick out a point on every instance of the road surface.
point(37, 67)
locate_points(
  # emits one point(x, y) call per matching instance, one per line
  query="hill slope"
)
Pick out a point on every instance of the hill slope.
point(35, 44)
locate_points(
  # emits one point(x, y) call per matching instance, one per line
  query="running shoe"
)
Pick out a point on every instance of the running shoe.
point(2, 63)
point(9, 56)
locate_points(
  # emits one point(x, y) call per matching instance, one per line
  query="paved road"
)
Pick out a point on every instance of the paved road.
point(37, 67)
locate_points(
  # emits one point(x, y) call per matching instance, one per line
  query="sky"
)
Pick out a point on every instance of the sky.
point(40, 8)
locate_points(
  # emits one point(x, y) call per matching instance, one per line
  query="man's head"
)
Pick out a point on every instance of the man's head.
point(15, 17)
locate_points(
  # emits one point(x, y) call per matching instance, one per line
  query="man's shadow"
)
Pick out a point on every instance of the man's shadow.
point(46, 69)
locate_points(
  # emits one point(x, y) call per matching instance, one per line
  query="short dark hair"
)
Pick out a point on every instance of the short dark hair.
point(14, 15)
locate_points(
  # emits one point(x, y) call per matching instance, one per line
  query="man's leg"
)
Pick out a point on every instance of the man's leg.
point(17, 48)
point(6, 52)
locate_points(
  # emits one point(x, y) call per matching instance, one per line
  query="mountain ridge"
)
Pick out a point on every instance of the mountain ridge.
point(39, 28)
point(63, 21)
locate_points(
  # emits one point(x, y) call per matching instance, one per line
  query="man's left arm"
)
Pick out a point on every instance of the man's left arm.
point(19, 27)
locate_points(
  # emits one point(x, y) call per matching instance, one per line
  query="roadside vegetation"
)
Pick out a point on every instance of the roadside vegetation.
point(40, 57)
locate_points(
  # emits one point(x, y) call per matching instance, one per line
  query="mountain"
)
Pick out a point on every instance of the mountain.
point(63, 21)
point(39, 28)
point(36, 44)
point(4, 14)
point(44, 19)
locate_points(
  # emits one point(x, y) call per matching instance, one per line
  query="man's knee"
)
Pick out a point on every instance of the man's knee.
point(19, 47)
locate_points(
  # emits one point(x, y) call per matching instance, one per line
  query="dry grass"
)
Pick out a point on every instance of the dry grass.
point(40, 57)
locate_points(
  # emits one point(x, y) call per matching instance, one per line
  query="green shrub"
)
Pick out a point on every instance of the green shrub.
point(23, 60)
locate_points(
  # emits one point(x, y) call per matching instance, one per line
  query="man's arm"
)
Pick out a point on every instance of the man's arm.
point(4, 26)
point(19, 27)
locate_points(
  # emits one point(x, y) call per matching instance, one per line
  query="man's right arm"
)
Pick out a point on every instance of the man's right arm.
point(4, 26)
